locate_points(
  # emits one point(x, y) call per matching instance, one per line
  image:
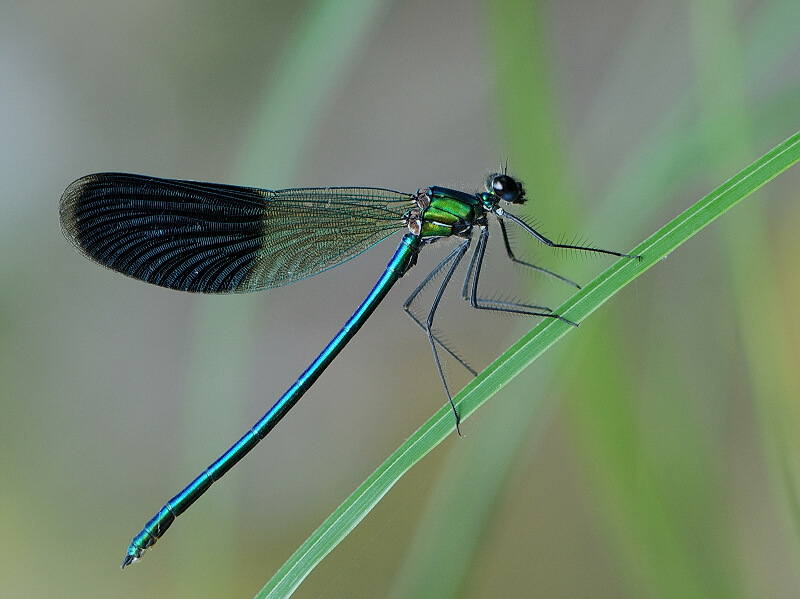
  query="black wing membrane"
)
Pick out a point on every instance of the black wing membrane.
point(213, 238)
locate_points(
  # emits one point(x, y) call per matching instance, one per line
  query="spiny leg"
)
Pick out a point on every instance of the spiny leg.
point(457, 255)
point(498, 306)
point(503, 214)
point(413, 297)
point(468, 276)
point(513, 258)
point(465, 287)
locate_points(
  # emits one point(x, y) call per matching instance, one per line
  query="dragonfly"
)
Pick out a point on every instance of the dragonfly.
point(216, 238)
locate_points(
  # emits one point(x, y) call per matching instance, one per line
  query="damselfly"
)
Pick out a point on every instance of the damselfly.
point(212, 238)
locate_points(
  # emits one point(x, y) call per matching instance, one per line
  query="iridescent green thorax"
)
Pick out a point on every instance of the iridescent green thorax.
point(442, 212)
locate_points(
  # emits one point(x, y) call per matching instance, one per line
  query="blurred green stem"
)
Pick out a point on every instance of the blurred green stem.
point(771, 374)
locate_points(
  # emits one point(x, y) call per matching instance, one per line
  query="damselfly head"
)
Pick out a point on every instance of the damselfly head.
point(506, 188)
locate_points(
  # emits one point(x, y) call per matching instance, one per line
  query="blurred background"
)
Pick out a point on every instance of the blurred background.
point(655, 452)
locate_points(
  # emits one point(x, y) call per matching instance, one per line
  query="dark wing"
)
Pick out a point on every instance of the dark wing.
point(212, 238)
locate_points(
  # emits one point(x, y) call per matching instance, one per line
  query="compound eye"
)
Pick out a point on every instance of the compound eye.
point(506, 188)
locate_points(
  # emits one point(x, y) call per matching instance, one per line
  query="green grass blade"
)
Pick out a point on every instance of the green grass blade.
point(457, 540)
point(657, 247)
